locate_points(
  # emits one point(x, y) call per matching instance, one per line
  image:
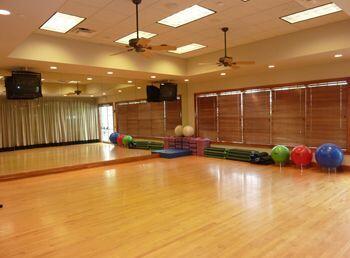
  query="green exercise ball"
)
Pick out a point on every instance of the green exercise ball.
point(127, 139)
point(280, 154)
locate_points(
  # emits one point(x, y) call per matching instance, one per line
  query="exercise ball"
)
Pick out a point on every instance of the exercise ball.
point(120, 139)
point(178, 130)
point(301, 155)
point(126, 140)
point(188, 131)
point(280, 154)
point(329, 156)
point(113, 137)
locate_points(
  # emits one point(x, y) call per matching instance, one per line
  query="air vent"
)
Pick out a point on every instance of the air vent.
point(309, 3)
point(83, 32)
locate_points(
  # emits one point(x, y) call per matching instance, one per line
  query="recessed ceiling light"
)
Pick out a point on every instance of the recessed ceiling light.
point(187, 48)
point(186, 80)
point(142, 34)
point(89, 78)
point(271, 66)
point(338, 55)
point(4, 12)
point(312, 13)
point(153, 76)
point(110, 72)
point(222, 74)
point(61, 22)
point(129, 81)
point(120, 91)
point(73, 82)
point(53, 67)
point(187, 15)
point(139, 88)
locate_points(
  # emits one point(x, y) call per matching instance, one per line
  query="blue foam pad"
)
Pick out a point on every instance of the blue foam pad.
point(172, 153)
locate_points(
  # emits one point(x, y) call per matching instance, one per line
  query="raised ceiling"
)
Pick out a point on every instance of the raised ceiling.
point(249, 21)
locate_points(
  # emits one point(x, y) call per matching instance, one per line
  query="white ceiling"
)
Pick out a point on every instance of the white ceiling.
point(248, 21)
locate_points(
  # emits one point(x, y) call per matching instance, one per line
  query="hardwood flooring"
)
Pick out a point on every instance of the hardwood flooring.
point(185, 207)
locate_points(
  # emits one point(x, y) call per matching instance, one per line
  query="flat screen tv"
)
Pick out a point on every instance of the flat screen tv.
point(153, 94)
point(168, 92)
point(23, 85)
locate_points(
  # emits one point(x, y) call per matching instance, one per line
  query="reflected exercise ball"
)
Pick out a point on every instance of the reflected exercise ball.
point(178, 130)
point(113, 137)
point(120, 139)
point(188, 131)
point(127, 139)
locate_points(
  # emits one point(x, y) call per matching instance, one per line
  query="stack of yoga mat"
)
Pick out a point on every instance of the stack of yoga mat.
point(147, 145)
point(215, 152)
point(239, 154)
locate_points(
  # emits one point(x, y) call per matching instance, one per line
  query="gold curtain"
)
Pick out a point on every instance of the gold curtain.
point(47, 120)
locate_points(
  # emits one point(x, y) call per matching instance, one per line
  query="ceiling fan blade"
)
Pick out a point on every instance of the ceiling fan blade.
point(162, 47)
point(143, 42)
point(146, 54)
point(122, 52)
point(244, 63)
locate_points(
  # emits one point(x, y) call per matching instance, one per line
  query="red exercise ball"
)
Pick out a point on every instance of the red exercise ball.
point(301, 155)
point(120, 139)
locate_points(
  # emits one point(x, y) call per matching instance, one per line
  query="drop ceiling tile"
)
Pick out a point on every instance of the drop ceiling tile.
point(78, 9)
point(96, 3)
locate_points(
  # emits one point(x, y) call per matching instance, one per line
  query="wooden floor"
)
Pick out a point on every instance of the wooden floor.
point(186, 207)
point(52, 159)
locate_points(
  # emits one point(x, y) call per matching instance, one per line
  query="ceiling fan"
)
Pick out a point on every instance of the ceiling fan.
point(141, 45)
point(77, 92)
point(227, 61)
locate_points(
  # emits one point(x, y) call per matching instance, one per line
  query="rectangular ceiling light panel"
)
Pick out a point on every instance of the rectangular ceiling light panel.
point(142, 34)
point(312, 13)
point(185, 16)
point(187, 48)
point(61, 22)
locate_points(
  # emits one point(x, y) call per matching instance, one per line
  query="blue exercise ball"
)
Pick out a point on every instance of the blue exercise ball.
point(329, 156)
point(113, 137)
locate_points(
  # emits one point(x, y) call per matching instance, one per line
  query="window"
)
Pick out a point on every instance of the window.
point(305, 113)
point(157, 119)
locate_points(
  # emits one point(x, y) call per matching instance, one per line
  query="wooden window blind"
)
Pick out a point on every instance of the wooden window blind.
point(157, 119)
point(122, 113)
point(207, 117)
point(173, 116)
point(230, 117)
point(327, 114)
point(139, 118)
point(288, 116)
point(144, 118)
point(256, 117)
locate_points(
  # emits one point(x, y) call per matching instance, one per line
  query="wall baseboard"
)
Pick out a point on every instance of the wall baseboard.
point(47, 145)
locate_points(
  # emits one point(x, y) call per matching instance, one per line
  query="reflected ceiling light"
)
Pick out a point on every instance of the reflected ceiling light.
point(312, 13)
point(222, 74)
point(110, 72)
point(104, 93)
point(2, 77)
point(153, 76)
point(129, 81)
point(73, 82)
point(4, 12)
point(53, 67)
point(139, 88)
point(120, 91)
point(187, 48)
point(271, 66)
point(187, 15)
point(338, 55)
point(61, 22)
point(142, 34)
point(89, 78)
point(186, 80)
point(91, 96)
